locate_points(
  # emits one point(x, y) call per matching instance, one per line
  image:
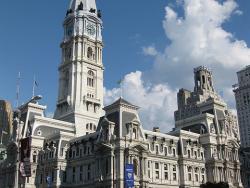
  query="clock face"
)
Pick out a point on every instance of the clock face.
point(91, 29)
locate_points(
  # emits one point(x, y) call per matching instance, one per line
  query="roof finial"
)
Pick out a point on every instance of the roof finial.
point(120, 83)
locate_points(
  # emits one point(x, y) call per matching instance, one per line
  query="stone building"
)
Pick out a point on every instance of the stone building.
point(5, 121)
point(242, 97)
point(87, 145)
point(245, 166)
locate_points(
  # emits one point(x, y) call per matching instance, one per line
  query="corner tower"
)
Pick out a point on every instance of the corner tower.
point(203, 80)
point(80, 95)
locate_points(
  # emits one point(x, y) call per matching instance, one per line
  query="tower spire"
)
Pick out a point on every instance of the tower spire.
point(84, 5)
point(80, 96)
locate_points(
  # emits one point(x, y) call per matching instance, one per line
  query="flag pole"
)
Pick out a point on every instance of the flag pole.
point(18, 89)
point(121, 88)
point(33, 89)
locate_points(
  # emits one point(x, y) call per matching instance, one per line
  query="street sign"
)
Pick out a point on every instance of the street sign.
point(129, 175)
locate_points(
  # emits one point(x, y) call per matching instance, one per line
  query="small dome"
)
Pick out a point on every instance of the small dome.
point(85, 5)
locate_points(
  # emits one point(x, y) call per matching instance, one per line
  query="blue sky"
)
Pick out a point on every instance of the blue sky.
point(31, 32)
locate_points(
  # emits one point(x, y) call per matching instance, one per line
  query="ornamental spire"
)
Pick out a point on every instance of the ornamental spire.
point(85, 5)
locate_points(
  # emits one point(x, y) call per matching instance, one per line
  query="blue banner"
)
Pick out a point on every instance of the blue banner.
point(129, 175)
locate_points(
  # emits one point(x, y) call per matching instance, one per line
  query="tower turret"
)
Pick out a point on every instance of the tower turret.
point(203, 80)
point(80, 96)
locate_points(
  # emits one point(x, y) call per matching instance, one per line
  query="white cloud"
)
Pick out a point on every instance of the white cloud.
point(150, 51)
point(197, 38)
point(238, 12)
point(157, 102)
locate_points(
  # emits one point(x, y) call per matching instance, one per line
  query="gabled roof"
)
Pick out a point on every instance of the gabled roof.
point(121, 102)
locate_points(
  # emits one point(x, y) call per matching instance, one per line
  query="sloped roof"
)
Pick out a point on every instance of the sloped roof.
point(120, 102)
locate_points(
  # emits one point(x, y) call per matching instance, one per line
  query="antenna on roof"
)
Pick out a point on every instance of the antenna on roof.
point(18, 89)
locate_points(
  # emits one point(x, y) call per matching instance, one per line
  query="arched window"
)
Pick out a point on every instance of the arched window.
point(196, 171)
point(90, 53)
point(203, 175)
point(189, 173)
point(90, 79)
point(87, 126)
point(134, 134)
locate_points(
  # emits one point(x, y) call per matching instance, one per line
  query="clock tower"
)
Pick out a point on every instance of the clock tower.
point(80, 96)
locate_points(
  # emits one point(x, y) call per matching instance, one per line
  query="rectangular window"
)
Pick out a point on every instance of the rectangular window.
point(196, 177)
point(81, 174)
point(34, 158)
point(74, 175)
point(174, 177)
point(156, 165)
point(203, 178)
point(107, 166)
point(52, 176)
point(88, 174)
point(157, 149)
point(174, 153)
point(166, 175)
point(41, 179)
point(174, 168)
point(165, 167)
point(195, 154)
point(77, 151)
point(64, 176)
point(157, 174)
point(189, 177)
point(61, 152)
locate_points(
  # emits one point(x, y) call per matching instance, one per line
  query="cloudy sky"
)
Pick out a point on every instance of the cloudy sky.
point(153, 45)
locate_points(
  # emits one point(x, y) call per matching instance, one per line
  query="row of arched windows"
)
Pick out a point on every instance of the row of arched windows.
point(90, 126)
point(197, 173)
